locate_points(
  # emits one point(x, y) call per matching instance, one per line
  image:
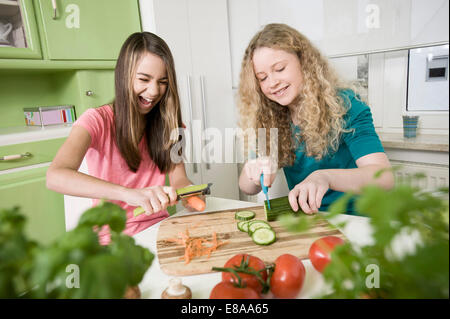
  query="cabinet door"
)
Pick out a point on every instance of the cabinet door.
point(171, 23)
point(18, 30)
point(86, 29)
point(43, 208)
point(197, 34)
point(96, 88)
point(211, 63)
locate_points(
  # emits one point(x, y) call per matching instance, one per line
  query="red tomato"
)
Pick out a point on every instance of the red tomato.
point(320, 251)
point(248, 280)
point(227, 290)
point(288, 276)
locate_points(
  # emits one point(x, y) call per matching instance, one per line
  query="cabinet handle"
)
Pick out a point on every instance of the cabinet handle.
point(15, 156)
point(202, 88)
point(55, 8)
point(89, 93)
point(190, 119)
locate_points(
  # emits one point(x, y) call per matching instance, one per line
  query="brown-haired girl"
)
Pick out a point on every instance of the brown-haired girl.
point(127, 143)
point(327, 143)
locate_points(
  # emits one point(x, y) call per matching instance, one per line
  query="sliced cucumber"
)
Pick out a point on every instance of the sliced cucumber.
point(243, 226)
point(264, 236)
point(257, 224)
point(244, 215)
point(257, 221)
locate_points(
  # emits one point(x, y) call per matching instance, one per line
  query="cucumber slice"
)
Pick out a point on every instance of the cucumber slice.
point(243, 226)
point(244, 215)
point(258, 221)
point(253, 226)
point(264, 236)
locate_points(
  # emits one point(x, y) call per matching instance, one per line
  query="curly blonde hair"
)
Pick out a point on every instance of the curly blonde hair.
point(320, 112)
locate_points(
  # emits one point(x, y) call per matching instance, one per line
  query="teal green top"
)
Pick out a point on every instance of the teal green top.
point(361, 141)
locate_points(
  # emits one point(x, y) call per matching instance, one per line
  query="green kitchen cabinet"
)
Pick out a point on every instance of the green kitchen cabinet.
point(43, 208)
point(82, 88)
point(19, 36)
point(86, 29)
point(39, 152)
point(96, 88)
point(63, 59)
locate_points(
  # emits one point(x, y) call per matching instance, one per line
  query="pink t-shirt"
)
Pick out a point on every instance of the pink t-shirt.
point(105, 162)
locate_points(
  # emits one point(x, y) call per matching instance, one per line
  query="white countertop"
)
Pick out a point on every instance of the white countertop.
point(25, 134)
point(357, 230)
point(422, 142)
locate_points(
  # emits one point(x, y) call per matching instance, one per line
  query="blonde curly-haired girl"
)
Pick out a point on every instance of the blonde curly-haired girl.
point(327, 143)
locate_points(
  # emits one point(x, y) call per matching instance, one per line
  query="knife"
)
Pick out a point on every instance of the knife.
point(185, 192)
point(265, 190)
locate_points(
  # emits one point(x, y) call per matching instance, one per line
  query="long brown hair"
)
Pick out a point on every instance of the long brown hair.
point(321, 110)
point(161, 120)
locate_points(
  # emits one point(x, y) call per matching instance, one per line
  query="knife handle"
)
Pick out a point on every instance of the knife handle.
point(265, 189)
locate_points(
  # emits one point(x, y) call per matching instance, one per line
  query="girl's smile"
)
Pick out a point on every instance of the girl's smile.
point(145, 102)
point(280, 92)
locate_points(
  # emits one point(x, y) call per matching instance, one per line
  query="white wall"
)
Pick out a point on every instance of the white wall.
point(342, 26)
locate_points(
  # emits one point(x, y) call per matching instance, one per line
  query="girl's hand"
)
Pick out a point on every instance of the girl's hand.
point(254, 168)
point(309, 193)
point(153, 199)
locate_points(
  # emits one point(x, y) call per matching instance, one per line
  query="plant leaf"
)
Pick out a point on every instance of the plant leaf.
point(104, 214)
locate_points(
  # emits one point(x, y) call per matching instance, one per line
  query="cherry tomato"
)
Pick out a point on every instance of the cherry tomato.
point(227, 290)
point(247, 279)
point(288, 276)
point(320, 251)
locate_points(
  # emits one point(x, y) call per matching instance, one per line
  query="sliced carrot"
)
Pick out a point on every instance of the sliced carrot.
point(195, 247)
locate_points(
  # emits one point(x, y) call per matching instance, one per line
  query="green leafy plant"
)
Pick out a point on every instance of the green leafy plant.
point(16, 254)
point(29, 270)
point(409, 256)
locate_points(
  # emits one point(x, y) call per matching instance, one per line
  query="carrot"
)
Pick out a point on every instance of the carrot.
point(196, 203)
point(194, 247)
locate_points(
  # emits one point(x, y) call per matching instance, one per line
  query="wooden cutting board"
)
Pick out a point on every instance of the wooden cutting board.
point(171, 254)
